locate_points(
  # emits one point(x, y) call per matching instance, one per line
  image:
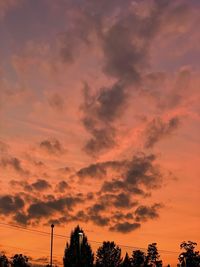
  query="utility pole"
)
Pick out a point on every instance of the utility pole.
point(51, 251)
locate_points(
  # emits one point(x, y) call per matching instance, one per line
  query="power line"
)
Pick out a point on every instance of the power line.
point(39, 232)
point(43, 259)
point(28, 249)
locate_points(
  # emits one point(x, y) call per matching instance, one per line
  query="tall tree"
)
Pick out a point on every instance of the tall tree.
point(190, 257)
point(78, 252)
point(138, 258)
point(20, 260)
point(4, 261)
point(126, 262)
point(108, 255)
point(153, 256)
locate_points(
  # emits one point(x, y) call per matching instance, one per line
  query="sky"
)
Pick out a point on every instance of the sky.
point(99, 123)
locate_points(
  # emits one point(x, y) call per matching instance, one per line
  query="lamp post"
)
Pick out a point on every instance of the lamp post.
point(80, 235)
point(51, 251)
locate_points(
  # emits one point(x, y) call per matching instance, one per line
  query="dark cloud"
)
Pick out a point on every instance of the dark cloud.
point(21, 218)
point(96, 208)
point(14, 163)
point(144, 213)
point(126, 55)
point(38, 185)
point(93, 170)
point(95, 214)
point(100, 220)
point(123, 201)
point(52, 147)
point(41, 185)
point(139, 174)
point(116, 185)
point(125, 227)
point(43, 209)
point(80, 216)
point(157, 129)
point(116, 205)
point(62, 186)
point(100, 110)
point(101, 169)
point(143, 171)
point(119, 216)
point(59, 221)
point(10, 204)
point(57, 102)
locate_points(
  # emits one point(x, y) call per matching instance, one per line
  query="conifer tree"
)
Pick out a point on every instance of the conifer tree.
point(78, 252)
point(153, 256)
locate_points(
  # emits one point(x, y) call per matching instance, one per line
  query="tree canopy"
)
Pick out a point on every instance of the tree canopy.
point(152, 258)
point(138, 258)
point(108, 255)
point(78, 252)
point(127, 261)
point(20, 260)
point(3, 261)
point(189, 257)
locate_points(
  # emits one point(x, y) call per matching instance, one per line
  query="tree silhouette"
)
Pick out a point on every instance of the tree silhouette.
point(19, 260)
point(153, 256)
point(108, 255)
point(78, 252)
point(138, 258)
point(126, 262)
point(189, 258)
point(4, 261)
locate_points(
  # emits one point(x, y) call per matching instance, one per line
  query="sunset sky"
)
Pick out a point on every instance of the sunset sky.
point(99, 123)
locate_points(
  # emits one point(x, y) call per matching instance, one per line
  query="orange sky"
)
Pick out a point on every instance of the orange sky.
point(99, 123)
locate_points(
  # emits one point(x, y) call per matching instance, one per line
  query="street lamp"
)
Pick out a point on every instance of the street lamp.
point(80, 236)
point(51, 251)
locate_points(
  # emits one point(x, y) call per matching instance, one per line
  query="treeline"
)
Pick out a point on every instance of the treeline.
point(78, 253)
point(18, 260)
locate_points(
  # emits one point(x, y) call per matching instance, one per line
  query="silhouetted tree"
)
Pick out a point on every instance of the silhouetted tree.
point(78, 253)
point(152, 258)
point(138, 258)
point(127, 261)
point(3, 261)
point(19, 260)
point(189, 258)
point(108, 255)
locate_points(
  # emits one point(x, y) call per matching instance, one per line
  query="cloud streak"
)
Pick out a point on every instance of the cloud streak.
point(157, 129)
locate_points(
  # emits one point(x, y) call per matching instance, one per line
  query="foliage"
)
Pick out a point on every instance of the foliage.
point(4, 261)
point(138, 258)
point(78, 252)
point(126, 262)
point(153, 256)
point(190, 257)
point(108, 255)
point(20, 260)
